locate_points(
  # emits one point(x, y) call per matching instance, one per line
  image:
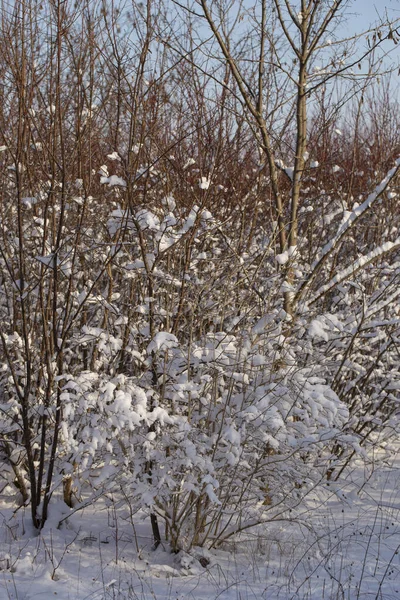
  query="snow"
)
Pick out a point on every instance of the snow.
point(113, 180)
point(162, 340)
point(282, 258)
point(349, 219)
point(147, 220)
point(288, 170)
point(157, 358)
point(204, 183)
point(286, 255)
point(186, 391)
point(114, 156)
point(189, 163)
point(358, 264)
point(316, 330)
point(48, 261)
point(346, 537)
point(103, 171)
point(29, 202)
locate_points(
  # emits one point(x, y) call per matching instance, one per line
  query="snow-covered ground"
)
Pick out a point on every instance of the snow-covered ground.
point(342, 543)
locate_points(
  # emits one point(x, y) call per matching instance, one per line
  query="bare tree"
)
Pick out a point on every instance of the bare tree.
point(307, 29)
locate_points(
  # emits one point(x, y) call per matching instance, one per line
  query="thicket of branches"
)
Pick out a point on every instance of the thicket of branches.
point(199, 257)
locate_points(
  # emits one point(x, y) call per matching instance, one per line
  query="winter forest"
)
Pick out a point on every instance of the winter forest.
point(199, 300)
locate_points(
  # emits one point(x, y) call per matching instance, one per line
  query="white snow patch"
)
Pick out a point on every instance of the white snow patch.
point(204, 183)
point(162, 340)
point(189, 163)
point(113, 180)
point(114, 156)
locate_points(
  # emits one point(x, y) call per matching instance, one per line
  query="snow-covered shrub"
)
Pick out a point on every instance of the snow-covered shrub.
point(183, 312)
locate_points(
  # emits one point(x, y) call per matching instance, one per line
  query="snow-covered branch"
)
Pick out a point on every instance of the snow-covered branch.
point(351, 218)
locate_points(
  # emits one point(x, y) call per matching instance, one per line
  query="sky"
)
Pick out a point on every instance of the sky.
point(365, 12)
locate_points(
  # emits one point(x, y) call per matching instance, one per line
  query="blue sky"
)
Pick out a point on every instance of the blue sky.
point(365, 12)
